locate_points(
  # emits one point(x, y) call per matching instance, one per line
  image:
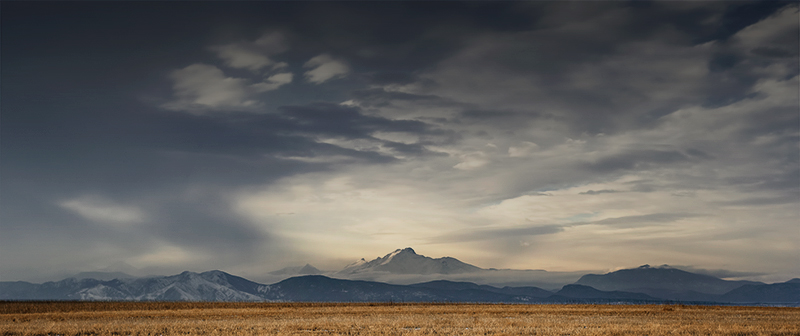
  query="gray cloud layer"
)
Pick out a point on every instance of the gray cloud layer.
point(171, 135)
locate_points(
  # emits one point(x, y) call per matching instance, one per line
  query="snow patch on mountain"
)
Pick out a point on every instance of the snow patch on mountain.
point(358, 263)
point(102, 293)
point(388, 257)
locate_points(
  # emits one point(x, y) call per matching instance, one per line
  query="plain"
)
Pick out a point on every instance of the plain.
point(205, 318)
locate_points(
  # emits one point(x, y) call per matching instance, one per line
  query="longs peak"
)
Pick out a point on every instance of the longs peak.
point(407, 261)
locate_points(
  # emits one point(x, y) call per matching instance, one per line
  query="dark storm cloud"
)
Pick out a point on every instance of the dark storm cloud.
point(173, 150)
point(154, 149)
point(550, 60)
point(724, 61)
point(781, 120)
point(148, 160)
point(192, 223)
point(400, 36)
point(774, 52)
point(60, 147)
point(740, 15)
point(99, 151)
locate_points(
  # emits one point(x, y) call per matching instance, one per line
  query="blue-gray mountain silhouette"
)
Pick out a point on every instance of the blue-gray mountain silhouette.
point(302, 270)
point(321, 288)
point(586, 292)
point(535, 292)
point(663, 282)
point(639, 285)
point(187, 286)
point(786, 292)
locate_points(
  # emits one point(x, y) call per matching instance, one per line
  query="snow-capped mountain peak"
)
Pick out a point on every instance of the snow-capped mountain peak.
point(359, 262)
point(406, 261)
point(387, 258)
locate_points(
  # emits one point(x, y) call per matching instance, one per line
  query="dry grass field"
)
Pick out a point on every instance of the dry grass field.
point(135, 318)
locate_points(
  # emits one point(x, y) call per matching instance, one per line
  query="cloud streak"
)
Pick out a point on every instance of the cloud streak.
point(203, 87)
point(253, 56)
point(324, 68)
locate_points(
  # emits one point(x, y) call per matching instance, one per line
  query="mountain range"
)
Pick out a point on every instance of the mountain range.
point(405, 267)
point(644, 284)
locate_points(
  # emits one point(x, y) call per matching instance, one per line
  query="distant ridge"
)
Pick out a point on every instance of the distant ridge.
point(187, 286)
point(321, 288)
point(535, 292)
point(221, 286)
point(662, 280)
point(643, 284)
point(787, 292)
point(586, 292)
point(302, 270)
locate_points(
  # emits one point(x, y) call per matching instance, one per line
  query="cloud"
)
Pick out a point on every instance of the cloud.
point(549, 229)
point(253, 56)
point(193, 223)
point(640, 159)
point(166, 256)
point(660, 112)
point(640, 220)
point(524, 149)
point(104, 212)
point(470, 161)
point(504, 234)
point(401, 137)
point(598, 192)
point(237, 56)
point(325, 68)
point(720, 273)
point(205, 86)
point(349, 121)
point(351, 207)
point(199, 88)
point(773, 36)
point(273, 82)
point(202, 87)
point(382, 97)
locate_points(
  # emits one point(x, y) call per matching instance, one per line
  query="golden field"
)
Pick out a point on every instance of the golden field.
point(175, 318)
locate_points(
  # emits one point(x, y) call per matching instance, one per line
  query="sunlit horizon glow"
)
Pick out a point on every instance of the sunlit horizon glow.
point(249, 137)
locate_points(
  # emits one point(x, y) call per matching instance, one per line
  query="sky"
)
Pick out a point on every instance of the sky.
point(158, 137)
